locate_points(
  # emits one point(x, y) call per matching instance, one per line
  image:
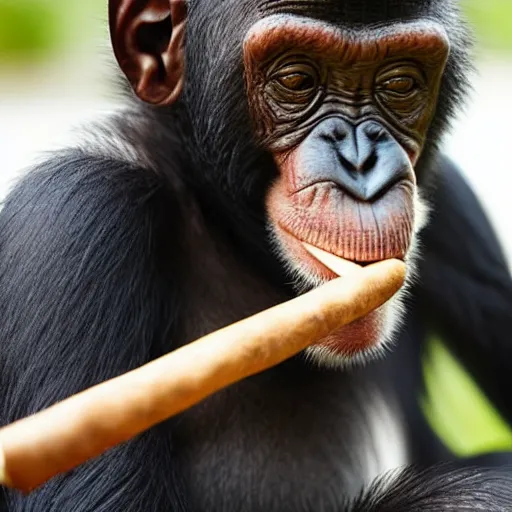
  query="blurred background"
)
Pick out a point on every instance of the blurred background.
point(54, 74)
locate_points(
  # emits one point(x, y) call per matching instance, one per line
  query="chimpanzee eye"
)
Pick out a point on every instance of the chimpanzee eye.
point(300, 78)
point(297, 82)
point(400, 85)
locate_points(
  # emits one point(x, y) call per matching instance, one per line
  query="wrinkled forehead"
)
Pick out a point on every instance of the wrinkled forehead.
point(424, 39)
point(349, 12)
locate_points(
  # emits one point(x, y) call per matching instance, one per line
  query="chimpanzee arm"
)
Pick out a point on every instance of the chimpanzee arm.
point(466, 288)
point(86, 293)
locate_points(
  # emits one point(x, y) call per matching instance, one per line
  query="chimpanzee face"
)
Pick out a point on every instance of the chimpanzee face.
point(343, 108)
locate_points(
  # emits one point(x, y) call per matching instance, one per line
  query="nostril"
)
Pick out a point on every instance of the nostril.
point(370, 163)
point(327, 137)
point(376, 133)
point(383, 136)
point(339, 135)
point(372, 131)
point(333, 137)
point(347, 164)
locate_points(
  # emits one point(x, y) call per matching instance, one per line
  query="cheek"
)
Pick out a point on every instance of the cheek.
point(280, 206)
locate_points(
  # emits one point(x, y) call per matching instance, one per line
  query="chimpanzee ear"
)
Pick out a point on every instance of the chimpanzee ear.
point(148, 37)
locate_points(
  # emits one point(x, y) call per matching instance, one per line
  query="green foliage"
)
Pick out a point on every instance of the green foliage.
point(458, 410)
point(37, 28)
point(27, 27)
point(492, 20)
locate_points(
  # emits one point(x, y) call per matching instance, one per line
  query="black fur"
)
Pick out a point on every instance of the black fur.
point(87, 293)
point(441, 487)
point(108, 260)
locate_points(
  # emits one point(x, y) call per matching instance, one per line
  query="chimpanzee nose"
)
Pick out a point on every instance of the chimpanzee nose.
point(367, 158)
point(356, 150)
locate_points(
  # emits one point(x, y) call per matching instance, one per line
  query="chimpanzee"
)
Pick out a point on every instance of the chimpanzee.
point(257, 125)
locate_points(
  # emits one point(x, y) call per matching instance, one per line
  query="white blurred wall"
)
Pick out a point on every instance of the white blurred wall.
point(481, 143)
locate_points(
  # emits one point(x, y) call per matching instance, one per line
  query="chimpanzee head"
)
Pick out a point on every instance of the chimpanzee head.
point(335, 106)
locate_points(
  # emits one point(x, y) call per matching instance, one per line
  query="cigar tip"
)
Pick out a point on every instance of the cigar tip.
point(396, 265)
point(336, 264)
point(394, 269)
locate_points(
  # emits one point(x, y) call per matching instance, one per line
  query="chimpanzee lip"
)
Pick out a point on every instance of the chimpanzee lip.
point(366, 263)
point(307, 254)
point(313, 249)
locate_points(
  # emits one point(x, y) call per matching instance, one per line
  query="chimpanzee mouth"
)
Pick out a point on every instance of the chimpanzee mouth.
point(364, 339)
point(309, 258)
point(315, 251)
point(368, 263)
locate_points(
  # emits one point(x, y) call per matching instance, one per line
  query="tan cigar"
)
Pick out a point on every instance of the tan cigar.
point(53, 441)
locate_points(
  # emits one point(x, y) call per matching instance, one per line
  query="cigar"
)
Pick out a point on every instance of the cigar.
point(84, 426)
